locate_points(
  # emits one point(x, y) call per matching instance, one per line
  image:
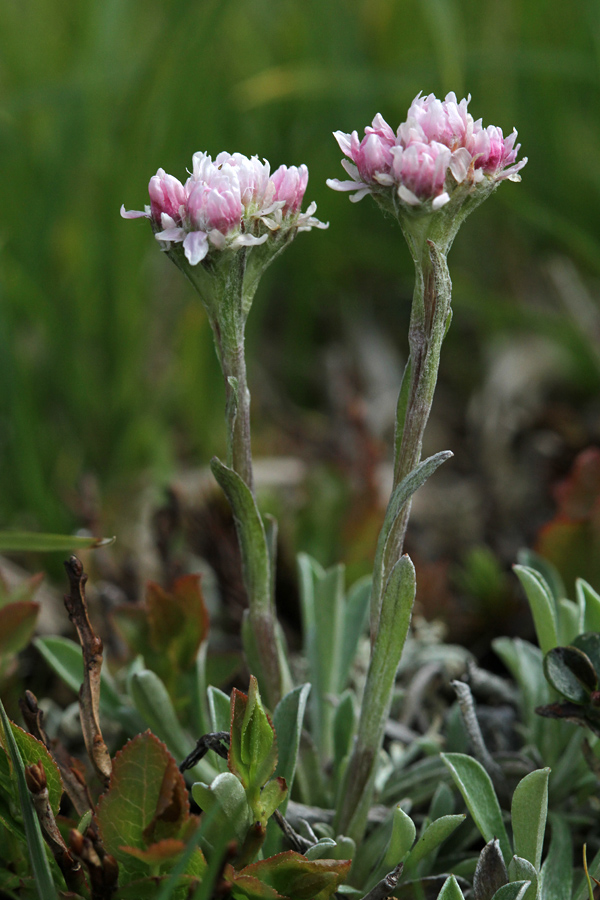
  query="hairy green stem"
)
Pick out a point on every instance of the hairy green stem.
point(226, 287)
point(392, 607)
point(430, 319)
point(237, 404)
point(396, 612)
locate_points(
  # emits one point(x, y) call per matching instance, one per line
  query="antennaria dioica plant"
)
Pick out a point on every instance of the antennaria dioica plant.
point(429, 175)
point(222, 228)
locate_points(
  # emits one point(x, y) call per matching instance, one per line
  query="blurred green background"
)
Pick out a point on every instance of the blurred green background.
point(106, 362)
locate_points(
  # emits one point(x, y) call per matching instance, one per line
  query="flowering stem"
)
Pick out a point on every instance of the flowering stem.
point(393, 598)
point(430, 319)
point(227, 290)
point(237, 406)
point(360, 774)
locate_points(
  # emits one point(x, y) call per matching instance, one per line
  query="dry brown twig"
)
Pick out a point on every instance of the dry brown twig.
point(89, 693)
point(384, 888)
point(102, 868)
point(70, 867)
point(71, 770)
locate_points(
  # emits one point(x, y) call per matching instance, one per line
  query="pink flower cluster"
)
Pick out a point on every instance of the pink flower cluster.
point(229, 203)
point(438, 137)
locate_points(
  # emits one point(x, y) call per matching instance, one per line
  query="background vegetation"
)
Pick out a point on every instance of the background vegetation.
point(106, 363)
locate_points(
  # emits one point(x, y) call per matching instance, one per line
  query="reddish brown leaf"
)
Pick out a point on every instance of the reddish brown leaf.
point(178, 620)
point(23, 592)
point(172, 807)
point(131, 621)
point(294, 876)
point(578, 494)
point(571, 540)
point(148, 888)
point(249, 887)
point(167, 630)
point(17, 624)
point(169, 848)
point(574, 548)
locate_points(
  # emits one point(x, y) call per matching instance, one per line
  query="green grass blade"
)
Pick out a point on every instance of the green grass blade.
point(35, 842)
point(13, 541)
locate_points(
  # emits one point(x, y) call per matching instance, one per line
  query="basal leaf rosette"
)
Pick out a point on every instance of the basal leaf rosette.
point(440, 160)
point(230, 204)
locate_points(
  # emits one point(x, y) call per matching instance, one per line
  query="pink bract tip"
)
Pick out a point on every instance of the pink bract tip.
point(228, 203)
point(439, 146)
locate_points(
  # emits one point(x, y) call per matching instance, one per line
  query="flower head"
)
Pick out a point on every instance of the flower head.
point(228, 203)
point(437, 149)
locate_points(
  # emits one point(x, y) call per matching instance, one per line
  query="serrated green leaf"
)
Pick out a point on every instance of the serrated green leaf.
point(287, 721)
point(435, 833)
point(146, 801)
point(273, 794)
point(33, 751)
point(31, 541)
point(529, 810)
point(477, 790)
point(557, 871)
point(258, 743)
point(35, 842)
point(294, 876)
point(542, 605)
point(450, 890)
